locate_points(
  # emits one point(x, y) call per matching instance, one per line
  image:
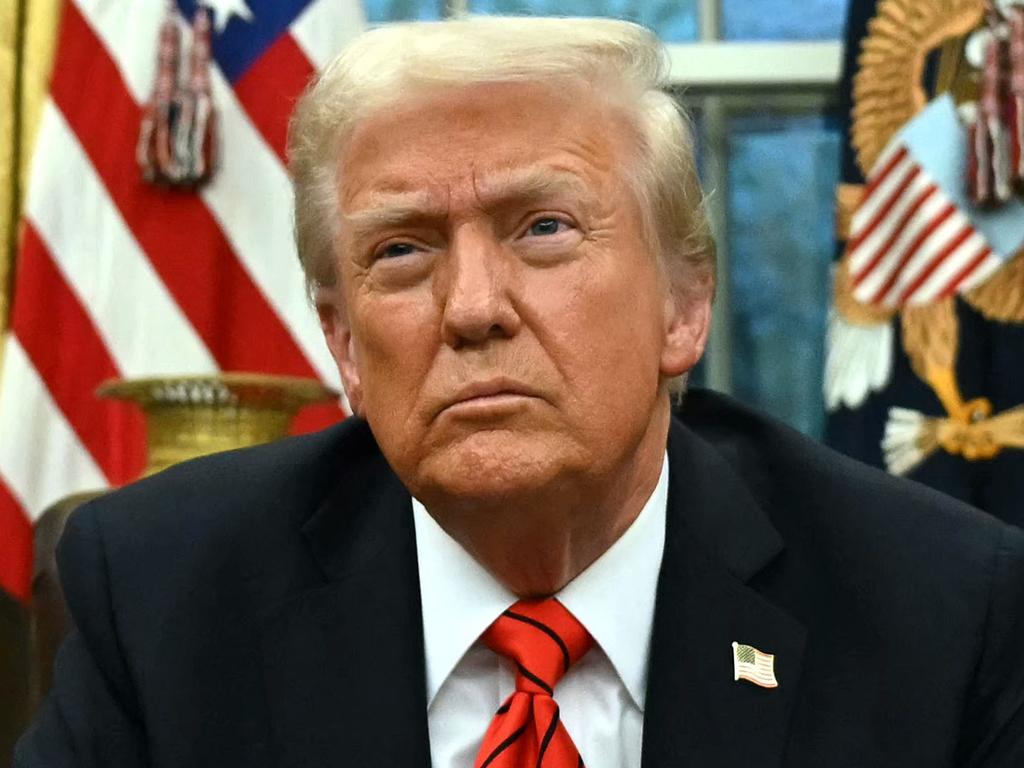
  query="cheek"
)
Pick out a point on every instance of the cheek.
point(604, 326)
point(395, 342)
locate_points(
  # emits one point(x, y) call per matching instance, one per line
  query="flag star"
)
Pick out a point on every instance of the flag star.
point(223, 10)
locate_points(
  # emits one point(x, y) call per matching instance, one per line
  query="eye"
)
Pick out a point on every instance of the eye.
point(548, 238)
point(394, 250)
point(547, 226)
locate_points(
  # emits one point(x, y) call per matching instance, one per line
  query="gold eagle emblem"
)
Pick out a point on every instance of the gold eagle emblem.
point(889, 92)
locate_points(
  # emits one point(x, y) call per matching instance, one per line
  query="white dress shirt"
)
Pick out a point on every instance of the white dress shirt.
point(601, 697)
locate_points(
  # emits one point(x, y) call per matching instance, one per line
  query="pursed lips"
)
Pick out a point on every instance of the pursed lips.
point(479, 390)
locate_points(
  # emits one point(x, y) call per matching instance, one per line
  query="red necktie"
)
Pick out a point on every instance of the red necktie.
point(542, 639)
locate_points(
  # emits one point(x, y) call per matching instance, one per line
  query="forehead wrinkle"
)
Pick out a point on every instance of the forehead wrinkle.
point(384, 209)
point(531, 183)
point(392, 209)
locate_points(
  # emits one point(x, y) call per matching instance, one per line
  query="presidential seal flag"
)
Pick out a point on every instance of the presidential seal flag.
point(926, 336)
point(157, 232)
point(753, 665)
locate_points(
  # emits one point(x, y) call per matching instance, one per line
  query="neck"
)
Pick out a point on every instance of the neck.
point(537, 543)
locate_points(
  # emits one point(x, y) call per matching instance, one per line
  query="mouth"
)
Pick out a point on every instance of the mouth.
point(489, 397)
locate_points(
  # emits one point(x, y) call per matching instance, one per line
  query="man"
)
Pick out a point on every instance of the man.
point(516, 556)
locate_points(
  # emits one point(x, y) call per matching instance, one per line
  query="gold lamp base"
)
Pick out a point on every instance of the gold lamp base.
point(191, 416)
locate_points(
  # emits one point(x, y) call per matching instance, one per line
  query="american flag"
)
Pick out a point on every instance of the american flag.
point(909, 241)
point(753, 665)
point(915, 238)
point(116, 277)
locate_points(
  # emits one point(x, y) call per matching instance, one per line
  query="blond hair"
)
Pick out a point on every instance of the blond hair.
point(387, 64)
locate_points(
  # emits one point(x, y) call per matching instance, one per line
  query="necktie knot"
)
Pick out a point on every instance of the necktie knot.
point(542, 638)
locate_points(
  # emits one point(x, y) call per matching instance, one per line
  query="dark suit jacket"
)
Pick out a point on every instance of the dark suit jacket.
point(261, 608)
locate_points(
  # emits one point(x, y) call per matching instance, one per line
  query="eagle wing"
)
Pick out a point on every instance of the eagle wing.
point(888, 89)
point(1001, 297)
point(858, 350)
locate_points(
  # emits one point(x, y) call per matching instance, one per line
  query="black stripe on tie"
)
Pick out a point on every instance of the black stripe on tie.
point(580, 765)
point(504, 707)
point(547, 738)
point(547, 631)
point(530, 676)
point(503, 746)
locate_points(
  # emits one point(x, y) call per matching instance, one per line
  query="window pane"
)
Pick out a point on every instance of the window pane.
point(783, 19)
point(379, 11)
point(674, 21)
point(782, 176)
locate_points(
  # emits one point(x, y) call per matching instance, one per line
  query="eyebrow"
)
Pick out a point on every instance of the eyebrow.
point(393, 209)
point(531, 183)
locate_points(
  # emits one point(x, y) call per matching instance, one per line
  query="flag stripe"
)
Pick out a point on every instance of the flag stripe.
point(324, 28)
point(16, 535)
point(949, 268)
point(875, 213)
point(930, 226)
point(98, 257)
point(68, 353)
point(898, 232)
point(180, 237)
point(863, 257)
point(936, 244)
point(951, 246)
point(269, 89)
point(28, 410)
point(125, 32)
point(891, 156)
point(260, 234)
point(976, 264)
point(765, 680)
point(753, 672)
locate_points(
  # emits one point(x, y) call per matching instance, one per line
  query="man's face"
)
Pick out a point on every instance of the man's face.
point(500, 320)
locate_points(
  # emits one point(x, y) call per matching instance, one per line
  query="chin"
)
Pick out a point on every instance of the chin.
point(491, 465)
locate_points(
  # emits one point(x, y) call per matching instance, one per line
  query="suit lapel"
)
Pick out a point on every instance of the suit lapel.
point(343, 661)
point(717, 540)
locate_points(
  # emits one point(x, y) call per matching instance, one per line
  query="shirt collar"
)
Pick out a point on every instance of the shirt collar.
point(613, 598)
point(459, 598)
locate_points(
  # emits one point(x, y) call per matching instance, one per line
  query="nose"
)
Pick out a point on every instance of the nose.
point(475, 290)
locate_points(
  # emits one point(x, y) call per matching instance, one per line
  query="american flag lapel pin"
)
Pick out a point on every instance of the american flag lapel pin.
point(753, 665)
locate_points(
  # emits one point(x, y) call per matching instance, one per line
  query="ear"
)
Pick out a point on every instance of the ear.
point(687, 322)
point(338, 334)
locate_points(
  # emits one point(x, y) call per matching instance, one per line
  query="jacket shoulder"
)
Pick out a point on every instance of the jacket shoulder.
point(222, 531)
point(278, 480)
point(809, 489)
